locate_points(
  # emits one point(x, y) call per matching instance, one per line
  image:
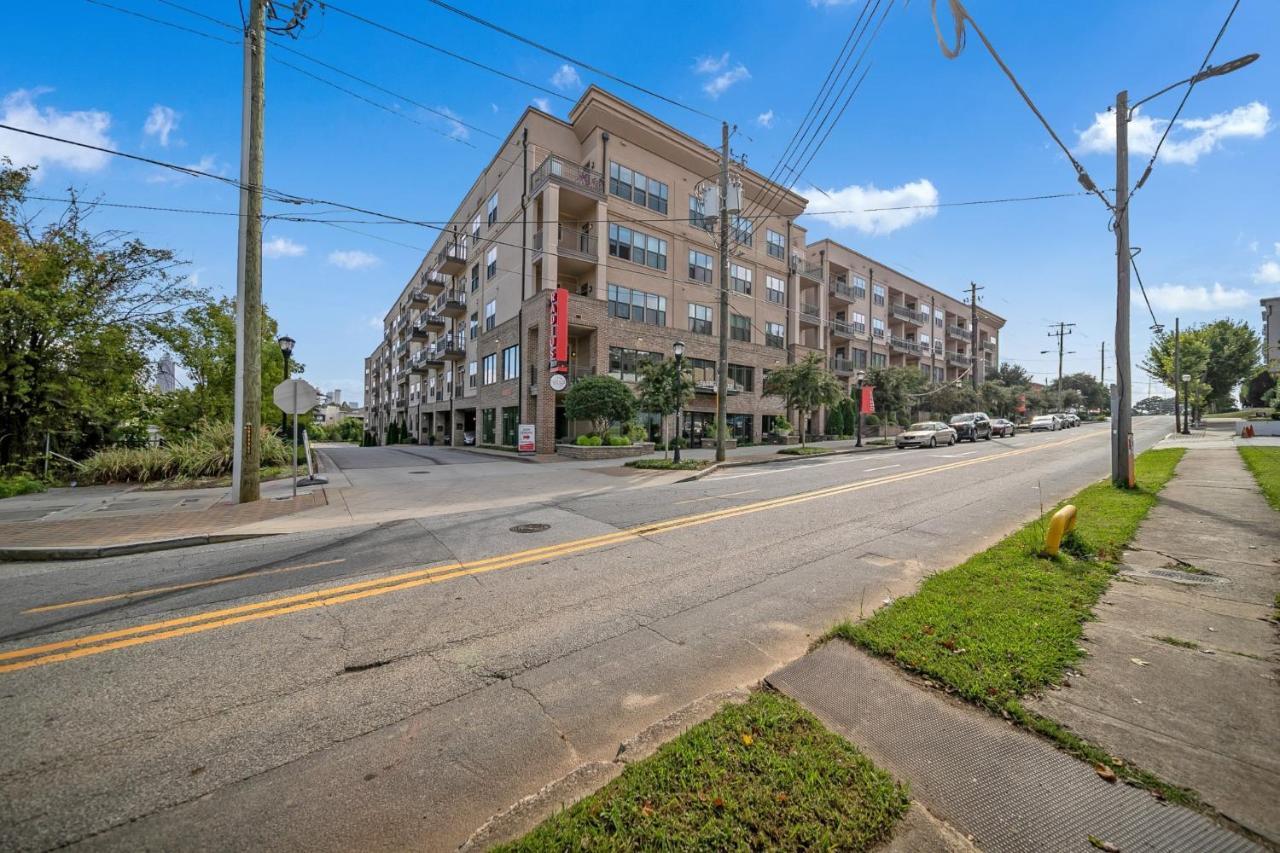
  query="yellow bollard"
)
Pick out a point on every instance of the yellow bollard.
point(1062, 523)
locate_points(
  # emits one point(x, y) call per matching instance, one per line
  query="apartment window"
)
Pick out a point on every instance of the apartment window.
point(475, 277)
point(703, 370)
point(859, 357)
point(631, 245)
point(491, 263)
point(775, 244)
point(926, 370)
point(475, 229)
point(699, 266)
point(740, 278)
point(924, 341)
point(927, 312)
point(475, 325)
point(741, 227)
point(629, 304)
point(879, 359)
point(740, 328)
point(625, 363)
point(699, 319)
point(743, 375)
point(490, 368)
point(775, 289)
point(939, 374)
point(471, 374)
point(877, 327)
point(493, 209)
point(877, 294)
point(490, 315)
point(698, 213)
point(636, 187)
point(511, 363)
point(775, 335)
point(860, 319)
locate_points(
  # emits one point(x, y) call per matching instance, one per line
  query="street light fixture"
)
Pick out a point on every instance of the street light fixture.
point(286, 349)
point(861, 377)
point(1186, 404)
point(678, 349)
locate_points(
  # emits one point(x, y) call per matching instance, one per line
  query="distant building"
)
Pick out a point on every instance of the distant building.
point(1271, 331)
point(166, 374)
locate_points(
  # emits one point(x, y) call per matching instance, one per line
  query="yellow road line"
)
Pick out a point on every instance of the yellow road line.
point(126, 637)
point(84, 602)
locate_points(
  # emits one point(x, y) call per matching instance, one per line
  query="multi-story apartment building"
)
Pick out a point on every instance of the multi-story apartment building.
point(1271, 332)
point(862, 314)
point(582, 248)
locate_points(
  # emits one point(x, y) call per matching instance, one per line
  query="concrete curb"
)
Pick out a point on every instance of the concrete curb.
point(585, 779)
point(781, 457)
point(93, 552)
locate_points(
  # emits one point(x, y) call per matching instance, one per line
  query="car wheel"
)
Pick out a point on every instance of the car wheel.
point(987, 436)
point(933, 442)
point(952, 442)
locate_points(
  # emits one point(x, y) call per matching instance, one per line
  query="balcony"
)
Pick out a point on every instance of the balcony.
point(989, 344)
point(434, 282)
point(452, 303)
point(813, 272)
point(960, 333)
point(841, 290)
point(958, 359)
point(810, 314)
point(710, 386)
point(452, 259)
point(904, 345)
point(571, 242)
point(844, 366)
point(903, 312)
point(401, 350)
point(841, 329)
point(419, 298)
point(450, 348)
point(567, 174)
point(428, 321)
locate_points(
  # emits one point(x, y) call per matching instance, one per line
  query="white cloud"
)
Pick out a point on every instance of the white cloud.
point(1180, 297)
point(1269, 272)
point(1277, 245)
point(866, 208)
point(542, 104)
point(161, 122)
point(1190, 139)
point(88, 126)
point(765, 119)
point(457, 130)
point(566, 78)
point(494, 107)
point(710, 64)
point(353, 259)
point(283, 247)
point(374, 322)
point(724, 78)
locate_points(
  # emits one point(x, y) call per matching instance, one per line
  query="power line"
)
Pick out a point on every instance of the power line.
point(553, 52)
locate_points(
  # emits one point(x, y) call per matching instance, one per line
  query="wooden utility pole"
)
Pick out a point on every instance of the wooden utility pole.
point(722, 367)
point(1102, 372)
point(1122, 410)
point(1063, 330)
point(1177, 375)
point(973, 332)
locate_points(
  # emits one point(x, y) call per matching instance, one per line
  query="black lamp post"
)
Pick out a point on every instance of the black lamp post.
point(862, 376)
point(678, 349)
point(286, 349)
point(1186, 404)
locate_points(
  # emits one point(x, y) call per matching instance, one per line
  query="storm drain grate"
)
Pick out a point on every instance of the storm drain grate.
point(530, 528)
point(1180, 576)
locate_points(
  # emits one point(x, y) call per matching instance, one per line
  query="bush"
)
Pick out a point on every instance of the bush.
point(206, 453)
point(781, 426)
point(668, 465)
point(619, 441)
point(600, 399)
point(872, 420)
point(20, 484)
point(636, 432)
point(589, 441)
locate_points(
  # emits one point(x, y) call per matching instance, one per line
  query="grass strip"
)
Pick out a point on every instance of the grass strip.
point(1007, 621)
point(669, 465)
point(805, 451)
point(20, 484)
point(761, 775)
point(1264, 463)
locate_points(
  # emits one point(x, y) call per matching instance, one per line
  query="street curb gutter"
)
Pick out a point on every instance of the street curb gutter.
point(781, 457)
point(93, 552)
point(584, 780)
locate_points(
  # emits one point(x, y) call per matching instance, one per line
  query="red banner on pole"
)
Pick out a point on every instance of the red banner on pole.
point(558, 332)
point(868, 399)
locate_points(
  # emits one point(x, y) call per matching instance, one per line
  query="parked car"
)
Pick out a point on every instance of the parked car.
point(1042, 423)
point(1002, 428)
point(926, 434)
point(973, 426)
point(469, 437)
point(1075, 419)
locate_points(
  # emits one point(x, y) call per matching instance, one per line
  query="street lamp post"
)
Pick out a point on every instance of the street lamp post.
point(286, 349)
point(861, 377)
point(678, 349)
point(1186, 404)
point(1122, 417)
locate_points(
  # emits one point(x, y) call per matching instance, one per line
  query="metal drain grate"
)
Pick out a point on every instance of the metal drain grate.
point(1185, 577)
point(530, 528)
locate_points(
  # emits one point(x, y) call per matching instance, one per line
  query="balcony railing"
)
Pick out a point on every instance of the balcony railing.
point(904, 345)
point(810, 313)
point(434, 281)
point(844, 365)
point(419, 297)
point(452, 303)
point(567, 173)
point(903, 312)
point(959, 359)
point(569, 241)
point(844, 291)
point(813, 272)
point(711, 386)
point(989, 344)
point(958, 332)
point(453, 257)
point(848, 330)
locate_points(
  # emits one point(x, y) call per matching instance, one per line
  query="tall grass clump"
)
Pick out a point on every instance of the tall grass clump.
point(206, 453)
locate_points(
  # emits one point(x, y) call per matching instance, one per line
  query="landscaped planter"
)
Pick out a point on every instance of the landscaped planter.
point(581, 451)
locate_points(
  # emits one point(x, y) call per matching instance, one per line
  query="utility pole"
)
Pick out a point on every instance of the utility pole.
point(1063, 330)
point(1177, 373)
point(973, 332)
point(1102, 372)
point(247, 454)
point(722, 368)
point(933, 352)
point(1121, 415)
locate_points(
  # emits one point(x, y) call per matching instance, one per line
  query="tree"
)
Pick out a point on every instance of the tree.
point(600, 399)
point(1092, 394)
point(1222, 354)
point(953, 398)
point(1012, 375)
point(835, 420)
point(999, 399)
point(895, 391)
point(1253, 391)
point(805, 386)
point(79, 311)
point(659, 392)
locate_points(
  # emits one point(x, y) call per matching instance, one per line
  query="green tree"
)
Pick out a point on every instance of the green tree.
point(1012, 375)
point(602, 400)
point(1092, 394)
point(953, 398)
point(1222, 354)
point(79, 311)
point(835, 421)
point(1253, 391)
point(1194, 362)
point(998, 399)
point(804, 386)
point(659, 392)
point(896, 390)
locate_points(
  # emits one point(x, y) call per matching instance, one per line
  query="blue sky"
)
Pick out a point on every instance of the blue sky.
point(922, 129)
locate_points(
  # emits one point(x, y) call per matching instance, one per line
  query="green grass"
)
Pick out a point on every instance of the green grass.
point(760, 775)
point(19, 484)
point(669, 465)
point(1174, 641)
point(1007, 621)
point(805, 451)
point(1243, 413)
point(1264, 462)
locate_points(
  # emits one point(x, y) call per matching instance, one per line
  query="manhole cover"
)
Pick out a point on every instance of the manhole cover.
point(530, 528)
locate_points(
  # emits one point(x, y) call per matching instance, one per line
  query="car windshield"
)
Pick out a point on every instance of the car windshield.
point(1043, 418)
point(923, 427)
point(962, 419)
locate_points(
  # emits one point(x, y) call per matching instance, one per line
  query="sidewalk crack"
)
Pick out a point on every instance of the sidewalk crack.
point(555, 724)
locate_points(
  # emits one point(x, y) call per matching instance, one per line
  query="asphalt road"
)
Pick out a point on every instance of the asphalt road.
point(392, 686)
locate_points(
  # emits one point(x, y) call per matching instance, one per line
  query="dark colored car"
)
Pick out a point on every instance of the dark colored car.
point(1002, 428)
point(972, 426)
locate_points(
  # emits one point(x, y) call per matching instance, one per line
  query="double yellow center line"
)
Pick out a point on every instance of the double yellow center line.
point(93, 644)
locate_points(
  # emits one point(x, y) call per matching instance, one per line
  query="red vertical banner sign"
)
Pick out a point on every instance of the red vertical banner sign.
point(868, 399)
point(558, 333)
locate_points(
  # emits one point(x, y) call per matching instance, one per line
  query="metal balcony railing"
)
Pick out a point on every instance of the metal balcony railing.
point(813, 272)
point(567, 173)
point(844, 291)
point(904, 345)
point(959, 359)
point(958, 332)
point(903, 312)
point(569, 241)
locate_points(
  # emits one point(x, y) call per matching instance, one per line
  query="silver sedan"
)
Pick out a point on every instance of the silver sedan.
point(926, 434)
